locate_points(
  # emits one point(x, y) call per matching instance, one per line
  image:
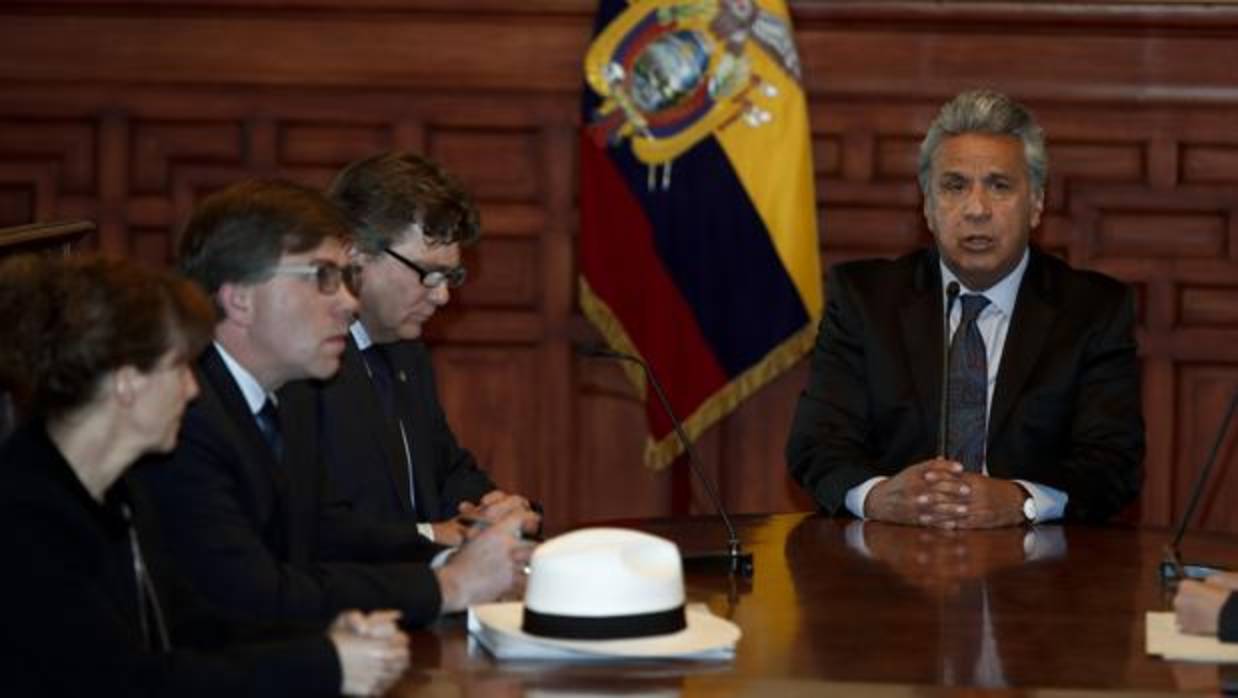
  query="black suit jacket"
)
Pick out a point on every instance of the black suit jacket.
point(246, 529)
point(71, 625)
point(1227, 621)
point(1066, 408)
point(367, 472)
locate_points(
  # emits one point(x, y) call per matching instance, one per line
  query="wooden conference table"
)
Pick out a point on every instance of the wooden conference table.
point(840, 607)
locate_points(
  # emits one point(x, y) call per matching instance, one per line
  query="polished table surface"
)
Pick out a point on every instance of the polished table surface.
point(844, 607)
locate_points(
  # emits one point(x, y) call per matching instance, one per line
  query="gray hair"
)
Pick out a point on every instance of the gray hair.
point(987, 111)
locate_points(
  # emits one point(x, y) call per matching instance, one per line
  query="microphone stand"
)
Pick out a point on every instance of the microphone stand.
point(952, 292)
point(1172, 567)
point(733, 559)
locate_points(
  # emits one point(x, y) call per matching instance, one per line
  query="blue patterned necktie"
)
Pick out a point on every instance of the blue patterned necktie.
point(268, 424)
point(969, 384)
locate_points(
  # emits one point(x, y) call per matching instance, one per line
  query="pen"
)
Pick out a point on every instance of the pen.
point(483, 524)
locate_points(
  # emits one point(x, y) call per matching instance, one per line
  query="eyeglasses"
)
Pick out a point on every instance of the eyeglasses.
point(432, 278)
point(328, 275)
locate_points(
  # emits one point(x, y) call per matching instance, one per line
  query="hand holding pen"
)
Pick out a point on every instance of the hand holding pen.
point(495, 506)
point(491, 563)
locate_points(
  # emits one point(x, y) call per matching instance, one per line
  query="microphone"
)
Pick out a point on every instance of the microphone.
point(734, 558)
point(1172, 567)
point(952, 293)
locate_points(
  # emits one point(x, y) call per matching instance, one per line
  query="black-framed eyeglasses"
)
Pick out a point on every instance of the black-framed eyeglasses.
point(329, 276)
point(432, 278)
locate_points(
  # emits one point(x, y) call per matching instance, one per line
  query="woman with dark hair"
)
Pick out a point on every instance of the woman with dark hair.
point(96, 355)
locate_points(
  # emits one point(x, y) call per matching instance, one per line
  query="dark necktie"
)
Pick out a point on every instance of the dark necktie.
point(268, 424)
point(969, 383)
point(383, 376)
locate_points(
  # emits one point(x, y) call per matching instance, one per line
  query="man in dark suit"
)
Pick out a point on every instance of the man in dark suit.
point(240, 505)
point(1043, 409)
point(391, 453)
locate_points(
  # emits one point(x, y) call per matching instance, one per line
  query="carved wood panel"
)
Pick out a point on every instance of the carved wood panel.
point(128, 112)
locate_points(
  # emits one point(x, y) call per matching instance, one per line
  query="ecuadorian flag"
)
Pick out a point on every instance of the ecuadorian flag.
point(698, 241)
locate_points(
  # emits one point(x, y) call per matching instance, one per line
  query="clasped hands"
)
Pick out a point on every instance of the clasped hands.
point(372, 651)
point(939, 493)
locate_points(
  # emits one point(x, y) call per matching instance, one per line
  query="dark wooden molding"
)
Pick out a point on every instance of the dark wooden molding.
point(57, 235)
point(127, 112)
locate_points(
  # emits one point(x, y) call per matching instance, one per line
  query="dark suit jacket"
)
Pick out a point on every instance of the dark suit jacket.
point(1065, 411)
point(245, 529)
point(71, 624)
point(1227, 622)
point(366, 467)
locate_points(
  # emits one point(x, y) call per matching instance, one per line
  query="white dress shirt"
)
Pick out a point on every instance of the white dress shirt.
point(251, 389)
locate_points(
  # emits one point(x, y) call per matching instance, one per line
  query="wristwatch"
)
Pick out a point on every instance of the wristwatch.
point(1029, 509)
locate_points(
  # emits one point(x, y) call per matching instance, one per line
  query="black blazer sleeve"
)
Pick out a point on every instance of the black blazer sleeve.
point(245, 536)
point(828, 451)
point(457, 476)
point(1227, 623)
point(71, 625)
point(68, 633)
point(1077, 423)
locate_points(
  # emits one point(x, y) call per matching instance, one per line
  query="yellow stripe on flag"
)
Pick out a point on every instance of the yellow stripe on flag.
point(774, 163)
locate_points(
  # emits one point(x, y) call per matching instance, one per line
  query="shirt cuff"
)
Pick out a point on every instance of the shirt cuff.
point(442, 557)
point(856, 496)
point(426, 529)
point(1050, 502)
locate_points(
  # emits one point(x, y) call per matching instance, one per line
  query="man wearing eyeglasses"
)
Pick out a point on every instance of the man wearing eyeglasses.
point(240, 505)
point(392, 455)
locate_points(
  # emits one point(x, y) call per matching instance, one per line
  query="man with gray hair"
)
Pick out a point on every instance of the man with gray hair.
point(1042, 412)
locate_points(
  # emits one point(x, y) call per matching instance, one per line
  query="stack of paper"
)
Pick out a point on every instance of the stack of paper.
point(1165, 639)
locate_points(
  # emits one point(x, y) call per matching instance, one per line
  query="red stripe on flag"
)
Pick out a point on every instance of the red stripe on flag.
point(616, 247)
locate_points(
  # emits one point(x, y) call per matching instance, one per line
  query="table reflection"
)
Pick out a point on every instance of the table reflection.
point(900, 611)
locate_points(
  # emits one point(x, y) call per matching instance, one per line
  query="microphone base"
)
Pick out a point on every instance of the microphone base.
point(733, 563)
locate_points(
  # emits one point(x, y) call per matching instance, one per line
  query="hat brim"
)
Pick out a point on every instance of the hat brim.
point(707, 636)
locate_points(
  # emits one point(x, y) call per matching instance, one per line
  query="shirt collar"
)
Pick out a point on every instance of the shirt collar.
point(360, 336)
point(1001, 295)
point(255, 396)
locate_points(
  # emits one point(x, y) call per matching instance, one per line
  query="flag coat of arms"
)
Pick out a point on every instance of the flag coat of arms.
point(698, 241)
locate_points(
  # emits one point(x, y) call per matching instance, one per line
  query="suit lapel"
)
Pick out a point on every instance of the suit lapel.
point(921, 320)
point(419, 423)
point(234, 406)
point(301, 473)
point(1034, 314)
point(220, 392)
point(360, 387)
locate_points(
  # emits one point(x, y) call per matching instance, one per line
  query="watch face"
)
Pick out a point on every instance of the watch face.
point(1029, 509)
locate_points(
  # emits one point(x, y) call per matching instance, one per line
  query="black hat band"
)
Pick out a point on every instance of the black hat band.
point(604, 627)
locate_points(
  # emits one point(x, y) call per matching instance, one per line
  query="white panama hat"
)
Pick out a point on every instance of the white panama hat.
point(601, 593)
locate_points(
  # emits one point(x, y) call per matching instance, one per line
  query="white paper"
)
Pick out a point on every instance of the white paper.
point(1165, 639)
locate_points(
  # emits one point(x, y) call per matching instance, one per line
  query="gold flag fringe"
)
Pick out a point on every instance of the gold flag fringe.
point(660, 453)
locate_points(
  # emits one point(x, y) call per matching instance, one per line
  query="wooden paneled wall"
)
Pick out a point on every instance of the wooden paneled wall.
point(126, 112)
